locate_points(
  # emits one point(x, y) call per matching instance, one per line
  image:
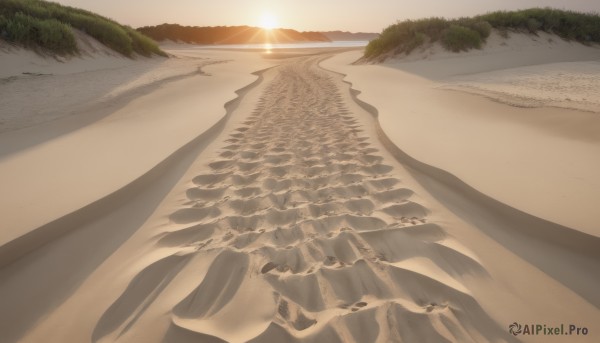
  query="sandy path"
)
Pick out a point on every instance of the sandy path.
point(311, 233)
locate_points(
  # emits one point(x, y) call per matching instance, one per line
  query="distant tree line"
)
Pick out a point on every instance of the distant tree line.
point(228, 34)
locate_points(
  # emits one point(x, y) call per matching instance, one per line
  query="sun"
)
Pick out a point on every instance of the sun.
point(268, 21)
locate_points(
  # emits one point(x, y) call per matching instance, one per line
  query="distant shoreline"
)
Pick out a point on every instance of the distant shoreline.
point(274, 46)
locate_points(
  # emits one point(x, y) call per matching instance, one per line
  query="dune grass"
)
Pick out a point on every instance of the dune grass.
point(47, 25)
point(471, 33)
point(30, 32)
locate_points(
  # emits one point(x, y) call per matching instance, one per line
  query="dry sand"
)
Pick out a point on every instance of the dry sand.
point(292, 214)
point(531, 155)
point(130, 102)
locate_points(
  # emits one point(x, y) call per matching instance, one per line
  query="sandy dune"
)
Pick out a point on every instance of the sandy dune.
point(128, 103)
point(529, 154)
point(296, 219)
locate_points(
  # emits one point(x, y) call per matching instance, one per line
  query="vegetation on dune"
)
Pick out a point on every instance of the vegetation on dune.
point(30, 31)
point(471, 33)
point(458, 37)
point(48, 25)
point(227, 34)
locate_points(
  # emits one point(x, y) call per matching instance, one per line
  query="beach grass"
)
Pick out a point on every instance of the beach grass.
point(48, 26)
point(471, 33)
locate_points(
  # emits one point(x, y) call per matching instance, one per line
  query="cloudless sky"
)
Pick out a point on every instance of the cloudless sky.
point(306, 15)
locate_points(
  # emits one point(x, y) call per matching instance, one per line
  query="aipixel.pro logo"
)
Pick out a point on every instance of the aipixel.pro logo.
point(547, 330)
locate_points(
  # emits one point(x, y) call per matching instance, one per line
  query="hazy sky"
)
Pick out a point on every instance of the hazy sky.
point(306, 15)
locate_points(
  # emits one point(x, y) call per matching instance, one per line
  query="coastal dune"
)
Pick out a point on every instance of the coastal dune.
point(312, 205)
point(520, 99)
point(144, 127)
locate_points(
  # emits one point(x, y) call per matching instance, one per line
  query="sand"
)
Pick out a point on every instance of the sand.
point(296, 212)
point(530, 154)
point(130, 104)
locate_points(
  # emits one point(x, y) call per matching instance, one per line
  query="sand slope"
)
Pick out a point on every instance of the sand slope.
point(537, 158)
point(157, 108)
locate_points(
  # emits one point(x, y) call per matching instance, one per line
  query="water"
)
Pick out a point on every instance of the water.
point(303, 45)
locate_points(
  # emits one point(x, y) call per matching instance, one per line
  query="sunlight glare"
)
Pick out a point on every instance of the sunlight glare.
point(268, 21)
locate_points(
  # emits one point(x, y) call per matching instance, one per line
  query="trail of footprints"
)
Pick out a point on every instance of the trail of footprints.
point(299, 197)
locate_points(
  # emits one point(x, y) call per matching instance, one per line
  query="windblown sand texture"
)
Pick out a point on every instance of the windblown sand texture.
point(311, 234)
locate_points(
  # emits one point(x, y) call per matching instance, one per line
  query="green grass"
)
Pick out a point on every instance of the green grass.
point(471, 33)
point(460, 38)
point(32, 32)
point(47, 25)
